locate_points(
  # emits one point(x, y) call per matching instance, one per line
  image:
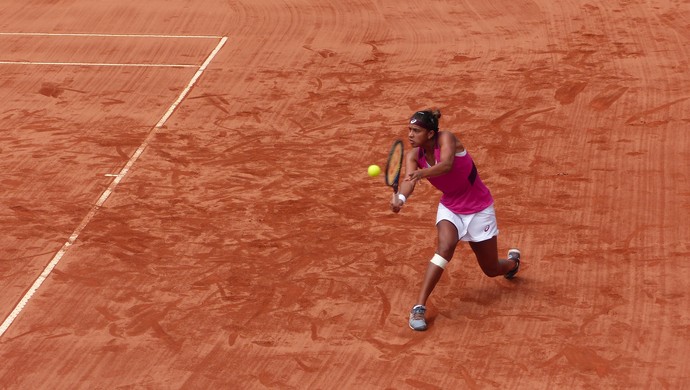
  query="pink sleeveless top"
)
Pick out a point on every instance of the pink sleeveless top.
point(463, 190)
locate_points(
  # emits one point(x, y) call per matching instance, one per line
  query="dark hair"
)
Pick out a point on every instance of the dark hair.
point(427, 119)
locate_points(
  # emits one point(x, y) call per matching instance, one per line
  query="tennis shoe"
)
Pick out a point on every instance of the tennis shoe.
point(513, 254)
point(417, 320)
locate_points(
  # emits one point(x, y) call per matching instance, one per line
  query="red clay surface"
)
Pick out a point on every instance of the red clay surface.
point(247, 248)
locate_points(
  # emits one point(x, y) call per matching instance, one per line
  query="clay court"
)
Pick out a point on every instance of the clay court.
point(184, 200)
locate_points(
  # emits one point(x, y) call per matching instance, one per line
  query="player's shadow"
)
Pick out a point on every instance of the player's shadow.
point(475, 302)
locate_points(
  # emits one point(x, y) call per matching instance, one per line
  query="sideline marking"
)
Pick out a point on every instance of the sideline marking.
point(101, 200)
point(98, 64)
point(27, 34)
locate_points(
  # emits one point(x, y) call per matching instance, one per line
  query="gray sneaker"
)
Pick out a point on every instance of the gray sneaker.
point(513, 254)
point(417, 321)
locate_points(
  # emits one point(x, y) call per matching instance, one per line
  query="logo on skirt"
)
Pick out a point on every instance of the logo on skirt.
point(486, 229)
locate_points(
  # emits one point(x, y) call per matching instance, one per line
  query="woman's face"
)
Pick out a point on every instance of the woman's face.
point(418, 135)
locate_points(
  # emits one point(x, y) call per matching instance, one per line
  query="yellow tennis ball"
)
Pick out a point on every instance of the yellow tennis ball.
point(374, 170)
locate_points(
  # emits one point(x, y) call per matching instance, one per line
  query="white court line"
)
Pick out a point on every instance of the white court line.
point(99, 64)
point(101, 200)
point(27, 34)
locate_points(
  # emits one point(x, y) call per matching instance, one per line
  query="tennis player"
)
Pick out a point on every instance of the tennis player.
point(465, 212)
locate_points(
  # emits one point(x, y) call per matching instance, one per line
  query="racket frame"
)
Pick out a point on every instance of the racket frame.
point(397, 144)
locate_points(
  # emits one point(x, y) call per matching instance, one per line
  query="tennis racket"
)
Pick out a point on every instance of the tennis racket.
point(394, 165)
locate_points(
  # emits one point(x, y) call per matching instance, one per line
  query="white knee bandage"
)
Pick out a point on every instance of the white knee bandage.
point(439, 261)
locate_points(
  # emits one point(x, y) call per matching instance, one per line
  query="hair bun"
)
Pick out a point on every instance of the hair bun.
point(436, 114)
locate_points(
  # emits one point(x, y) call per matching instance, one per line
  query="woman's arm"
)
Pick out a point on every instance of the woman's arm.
point(448, 145)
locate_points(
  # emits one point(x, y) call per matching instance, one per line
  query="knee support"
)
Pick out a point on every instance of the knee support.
point(439, 261)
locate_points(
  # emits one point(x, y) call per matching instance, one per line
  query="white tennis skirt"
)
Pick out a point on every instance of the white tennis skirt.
point(475, 227)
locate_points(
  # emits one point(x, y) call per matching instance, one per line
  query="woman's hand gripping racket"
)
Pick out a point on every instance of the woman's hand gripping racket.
point(393, 168)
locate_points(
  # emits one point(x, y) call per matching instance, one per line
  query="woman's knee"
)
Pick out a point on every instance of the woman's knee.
point(447, 239)
point(446, 251)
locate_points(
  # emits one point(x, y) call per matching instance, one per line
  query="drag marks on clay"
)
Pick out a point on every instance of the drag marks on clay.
point(218, 101)
point(605, 99)
point(566, 93)
point(151, 321)
point(394, 351)
point(419, 384)
point(386, 306)
point(463, 58)
point(314, 367)
point(677, 19)
point(583, 359)
point(522, 119)
point(642, 118)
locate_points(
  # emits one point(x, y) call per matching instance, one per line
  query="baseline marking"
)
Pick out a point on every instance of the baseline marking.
point(27, 34)
point(101, 200)
point(99, 64)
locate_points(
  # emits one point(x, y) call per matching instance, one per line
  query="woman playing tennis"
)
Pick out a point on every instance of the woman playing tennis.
point(465, 212)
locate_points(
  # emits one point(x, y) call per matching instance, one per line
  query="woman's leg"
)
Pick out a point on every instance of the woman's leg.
point(447, 242)
point(487, 257)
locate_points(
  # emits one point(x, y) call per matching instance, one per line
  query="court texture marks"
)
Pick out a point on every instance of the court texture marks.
point(184, 200)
